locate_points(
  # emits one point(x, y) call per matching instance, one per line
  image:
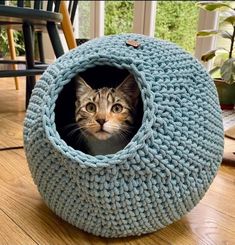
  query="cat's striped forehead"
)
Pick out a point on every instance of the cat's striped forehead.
point(104, 98)
point(104, 94)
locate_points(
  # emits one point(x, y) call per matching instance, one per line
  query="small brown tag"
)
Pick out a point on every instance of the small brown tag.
point(132, 43)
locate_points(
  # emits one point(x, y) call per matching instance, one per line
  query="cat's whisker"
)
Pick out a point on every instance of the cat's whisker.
point(79, 138)
point(126, 130)
point(123, 137)
point(72, 132)
point(112, 127)
point(70, 125)
point(127, 126)
point(77, 129)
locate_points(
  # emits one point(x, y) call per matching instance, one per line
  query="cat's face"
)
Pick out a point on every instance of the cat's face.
point(106, 112)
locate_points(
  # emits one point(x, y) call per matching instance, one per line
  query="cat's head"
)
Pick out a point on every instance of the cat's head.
point(105, 112)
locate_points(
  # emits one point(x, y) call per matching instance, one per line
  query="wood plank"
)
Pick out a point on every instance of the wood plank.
point(13, 165)
point(224, 184)
point(12, 100)
point(17, 117)
point(211, 226)
point(230, 133)
point(227, 171)
point(221, 203)
point(10, 233)
point(41, 223)
point(11, 133)
point(229, 145)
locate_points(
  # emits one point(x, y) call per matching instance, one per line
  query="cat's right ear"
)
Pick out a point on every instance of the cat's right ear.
point(81, 87)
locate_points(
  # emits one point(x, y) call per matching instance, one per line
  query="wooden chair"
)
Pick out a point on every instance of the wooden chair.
point(12, 53)
point(67, 22)
point(68, 13)
point(32, 20)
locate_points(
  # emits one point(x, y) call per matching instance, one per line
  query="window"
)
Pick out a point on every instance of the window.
point(176, 21)
point(83, 19)
point(118, 17)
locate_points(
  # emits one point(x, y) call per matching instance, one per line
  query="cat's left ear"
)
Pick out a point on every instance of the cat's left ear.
point(129, 87)
point(82, 87)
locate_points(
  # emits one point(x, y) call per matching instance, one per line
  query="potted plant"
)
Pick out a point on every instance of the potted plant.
point(223, 71)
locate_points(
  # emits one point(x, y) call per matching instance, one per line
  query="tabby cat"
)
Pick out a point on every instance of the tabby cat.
point(106, 117)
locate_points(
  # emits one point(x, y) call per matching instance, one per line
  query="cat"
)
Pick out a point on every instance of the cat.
point(106, 117)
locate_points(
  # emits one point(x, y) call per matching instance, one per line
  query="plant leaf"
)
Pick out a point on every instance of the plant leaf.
point(211, 54)
point(208, 56)
point(228, 70)
point(207, 33)
point(221, 56)
point(230, 19)
point(215, 69)
point(211, 6)
point(224, 15)
point(226, 34)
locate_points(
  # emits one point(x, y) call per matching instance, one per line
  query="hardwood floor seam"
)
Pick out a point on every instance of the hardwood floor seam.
point(26, 233)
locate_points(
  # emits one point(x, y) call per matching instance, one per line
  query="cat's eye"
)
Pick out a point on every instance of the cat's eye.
point(91, 107)
point(117, 108)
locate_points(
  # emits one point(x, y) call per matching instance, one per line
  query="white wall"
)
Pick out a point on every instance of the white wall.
point(207, 20)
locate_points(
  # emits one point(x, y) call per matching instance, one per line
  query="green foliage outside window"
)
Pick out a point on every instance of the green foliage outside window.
point(118, 17)
point(18, 36)
point(19, 43)
point(176, 21)
point(84, 19)
point(3, 43)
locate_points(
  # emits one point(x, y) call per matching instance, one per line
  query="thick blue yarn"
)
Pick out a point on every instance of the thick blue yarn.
point(162, 173)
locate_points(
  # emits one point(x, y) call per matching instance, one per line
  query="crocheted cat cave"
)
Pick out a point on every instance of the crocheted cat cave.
point(164, 170)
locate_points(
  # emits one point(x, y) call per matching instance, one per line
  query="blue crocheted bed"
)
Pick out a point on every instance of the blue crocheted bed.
point(165, 169)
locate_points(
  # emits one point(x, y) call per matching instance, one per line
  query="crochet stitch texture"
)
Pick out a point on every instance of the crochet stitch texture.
point(166, 168)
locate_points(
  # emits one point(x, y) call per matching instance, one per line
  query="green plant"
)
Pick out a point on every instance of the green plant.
point(18, 36)
point(18, 39)
point(19, 43)
point(3, 43)
point(224, 60)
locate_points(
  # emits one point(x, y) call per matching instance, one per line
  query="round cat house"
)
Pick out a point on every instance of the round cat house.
point(165, 169)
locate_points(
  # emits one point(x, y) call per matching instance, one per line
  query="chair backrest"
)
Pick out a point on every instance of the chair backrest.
point(72, 8)
point(51, 5)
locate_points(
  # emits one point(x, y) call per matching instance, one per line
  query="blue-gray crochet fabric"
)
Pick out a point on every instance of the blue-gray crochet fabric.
point(166, 168)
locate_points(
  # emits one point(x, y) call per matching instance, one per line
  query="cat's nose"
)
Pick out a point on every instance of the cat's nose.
point(101, 121)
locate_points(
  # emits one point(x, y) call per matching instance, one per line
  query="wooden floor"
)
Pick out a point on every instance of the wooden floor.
point(26, 220)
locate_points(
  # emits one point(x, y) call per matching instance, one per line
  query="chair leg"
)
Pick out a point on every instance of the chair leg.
point(55, 39)
point(30, 83)
point(67, 26)
point(29, 48)
point(40, 47)
point(12, 53)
